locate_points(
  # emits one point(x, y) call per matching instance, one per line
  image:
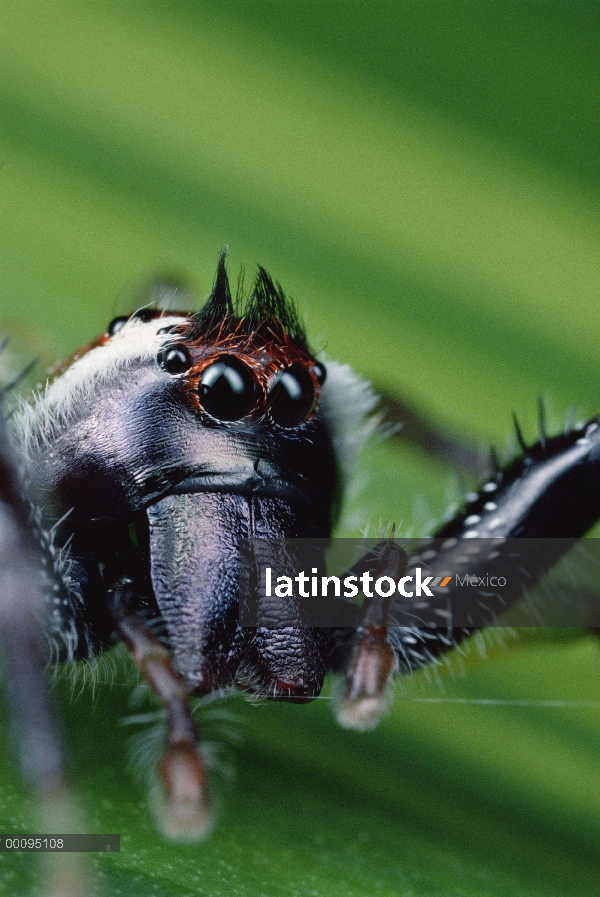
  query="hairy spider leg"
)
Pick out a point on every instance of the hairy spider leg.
point(551, 492)
point(23, 603)
point(187, 813)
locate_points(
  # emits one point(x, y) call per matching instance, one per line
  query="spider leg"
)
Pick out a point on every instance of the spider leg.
point(409, 424)
point(187, 813)
point(371, 657)
point(23, 639)
point(551, 492)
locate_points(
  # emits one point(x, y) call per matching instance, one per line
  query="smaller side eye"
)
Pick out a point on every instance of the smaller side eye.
point(116, 324)
point(144, 315)
point(227, 389)
point(320, 372)
point(292, 396)
point(175, 359)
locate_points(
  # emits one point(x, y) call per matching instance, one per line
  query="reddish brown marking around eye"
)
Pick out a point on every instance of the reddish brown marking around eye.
point(264, 352)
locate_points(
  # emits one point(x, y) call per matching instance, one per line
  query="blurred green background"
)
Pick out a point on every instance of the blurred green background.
point(423, 179)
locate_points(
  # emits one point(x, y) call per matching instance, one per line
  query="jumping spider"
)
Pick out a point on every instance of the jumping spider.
point(127, 482)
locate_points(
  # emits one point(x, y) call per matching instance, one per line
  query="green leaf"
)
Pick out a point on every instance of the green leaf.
point(423, 178)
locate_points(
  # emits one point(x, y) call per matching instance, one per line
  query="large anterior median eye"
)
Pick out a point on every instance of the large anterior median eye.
point(227, 389)
point(292, 396)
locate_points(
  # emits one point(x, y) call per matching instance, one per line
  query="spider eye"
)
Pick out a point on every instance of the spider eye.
point(175, 359)
point(227, 389)
point(320, 372)
point(144, 315)
point(116, 324)
point(292, 396)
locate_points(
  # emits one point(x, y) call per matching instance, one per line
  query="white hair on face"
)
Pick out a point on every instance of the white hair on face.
point(347, 402)
point(53, 408)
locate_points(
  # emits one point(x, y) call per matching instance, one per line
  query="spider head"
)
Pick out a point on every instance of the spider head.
point(250, 368)
point(170, 439)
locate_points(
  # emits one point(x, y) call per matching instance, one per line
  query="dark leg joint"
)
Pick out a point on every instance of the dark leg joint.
point(371, 660)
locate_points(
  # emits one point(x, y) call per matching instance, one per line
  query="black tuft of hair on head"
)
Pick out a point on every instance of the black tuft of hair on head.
point(265, 309)
point(218, 308)
point(267, 305)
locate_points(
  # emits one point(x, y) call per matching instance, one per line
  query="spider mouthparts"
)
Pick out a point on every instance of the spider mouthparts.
point(364, 696)
point(186, 813)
